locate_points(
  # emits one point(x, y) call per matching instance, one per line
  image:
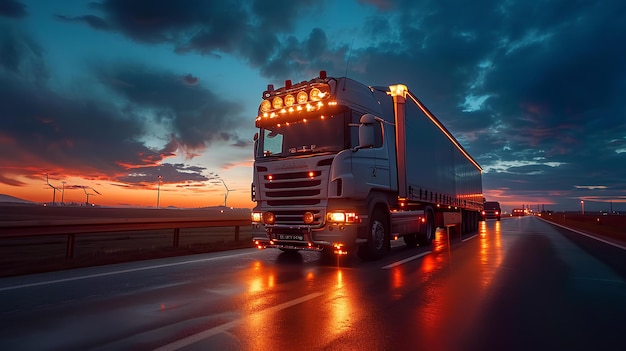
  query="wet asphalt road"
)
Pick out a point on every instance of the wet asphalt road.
point(519, 284)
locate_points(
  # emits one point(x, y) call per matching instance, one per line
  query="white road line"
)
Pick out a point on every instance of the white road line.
point(395, 264)
point(179, 344)
point(48, 282)
point(475, 235)
point(585, 234)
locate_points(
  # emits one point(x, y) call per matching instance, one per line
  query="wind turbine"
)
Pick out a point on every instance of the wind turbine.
point(54, 190)
point(88, 194)
point(227, 191)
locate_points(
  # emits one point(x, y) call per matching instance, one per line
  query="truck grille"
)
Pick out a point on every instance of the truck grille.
point(289, 195)
point(294, 217)
point(293, 189)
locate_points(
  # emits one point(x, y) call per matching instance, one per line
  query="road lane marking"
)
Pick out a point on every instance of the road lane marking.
point(192, 339)
point(395, 264)
point(48, 282)
point(475, 235)
point(587, 235)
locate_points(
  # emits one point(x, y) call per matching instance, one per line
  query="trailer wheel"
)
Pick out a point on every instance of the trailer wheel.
point(428, 236)
point(377, 238)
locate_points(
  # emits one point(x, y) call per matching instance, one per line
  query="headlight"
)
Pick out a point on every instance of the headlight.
point(256, 217)
point(342, 217)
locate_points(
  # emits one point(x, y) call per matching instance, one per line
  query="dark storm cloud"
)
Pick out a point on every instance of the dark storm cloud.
point(550, 75)
point(12, 9)
point(533, 89)
point(195, 115)
point(21, 56)
point(94, 22)
point(304, 58)
point(53, 132)
point(86, 136)
point(190, 80)
point(247, 29)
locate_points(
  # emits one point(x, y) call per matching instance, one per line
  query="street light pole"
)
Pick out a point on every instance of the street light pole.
point(582, 205)
point(159, 191)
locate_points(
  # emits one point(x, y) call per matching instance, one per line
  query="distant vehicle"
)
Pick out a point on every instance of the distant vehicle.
point(342, 166)
point(518, 212)
point(491, 210)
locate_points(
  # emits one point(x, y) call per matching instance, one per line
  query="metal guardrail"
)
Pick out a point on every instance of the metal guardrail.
point(71, 228)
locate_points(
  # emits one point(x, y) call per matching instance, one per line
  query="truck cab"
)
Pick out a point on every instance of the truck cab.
point(491, 210)
point(332, 172)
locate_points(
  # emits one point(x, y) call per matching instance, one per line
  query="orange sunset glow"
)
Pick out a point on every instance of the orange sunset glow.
point(103, 193)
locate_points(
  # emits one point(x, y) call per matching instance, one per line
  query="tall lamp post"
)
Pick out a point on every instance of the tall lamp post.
point(582, 206)
point(159, 191)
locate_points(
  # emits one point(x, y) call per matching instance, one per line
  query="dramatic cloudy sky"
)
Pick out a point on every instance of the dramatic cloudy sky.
point(108, 95)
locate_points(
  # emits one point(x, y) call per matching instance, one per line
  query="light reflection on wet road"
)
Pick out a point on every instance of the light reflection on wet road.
point(517, 284)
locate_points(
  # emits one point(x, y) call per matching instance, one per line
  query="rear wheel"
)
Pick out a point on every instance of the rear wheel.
point(427, 237)
point(377, 237)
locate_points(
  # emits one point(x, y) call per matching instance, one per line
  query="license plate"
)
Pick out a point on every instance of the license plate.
point(290, 237)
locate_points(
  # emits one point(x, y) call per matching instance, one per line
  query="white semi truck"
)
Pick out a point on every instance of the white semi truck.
point(340, 166)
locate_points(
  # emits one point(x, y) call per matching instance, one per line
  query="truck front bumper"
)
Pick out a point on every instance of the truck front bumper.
point(336, 237)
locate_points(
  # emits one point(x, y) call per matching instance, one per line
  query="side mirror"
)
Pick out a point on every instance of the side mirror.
point(256, 143)
point(367, 131)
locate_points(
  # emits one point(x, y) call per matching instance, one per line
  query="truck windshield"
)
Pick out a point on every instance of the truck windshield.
point(330, 134)
point(492, 206)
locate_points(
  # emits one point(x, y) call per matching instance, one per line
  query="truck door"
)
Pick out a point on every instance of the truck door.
point(371, 165)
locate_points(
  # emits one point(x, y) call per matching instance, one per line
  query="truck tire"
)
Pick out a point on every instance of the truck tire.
point(377, 238)
point(427, 237)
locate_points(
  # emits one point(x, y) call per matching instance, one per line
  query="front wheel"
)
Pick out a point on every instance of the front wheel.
point(377, 238)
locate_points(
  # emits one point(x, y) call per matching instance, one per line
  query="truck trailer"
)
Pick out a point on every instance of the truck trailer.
point(340, 166)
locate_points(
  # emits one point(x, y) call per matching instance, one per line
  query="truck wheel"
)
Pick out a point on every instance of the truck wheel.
point(377, 238)
point(427, 237)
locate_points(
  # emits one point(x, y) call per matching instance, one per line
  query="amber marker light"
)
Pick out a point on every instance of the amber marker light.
point(277, 103)
point(289, 100)
point(266, 106)
point(339, 249)
point(302, 97)
point(314, 95)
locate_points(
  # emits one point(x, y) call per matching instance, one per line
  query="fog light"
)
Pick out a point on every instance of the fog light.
point(269, 218)
point(308, 217)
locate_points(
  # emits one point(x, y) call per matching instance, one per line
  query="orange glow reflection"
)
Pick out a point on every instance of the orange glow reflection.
point(490, 257)
point(341, 307)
